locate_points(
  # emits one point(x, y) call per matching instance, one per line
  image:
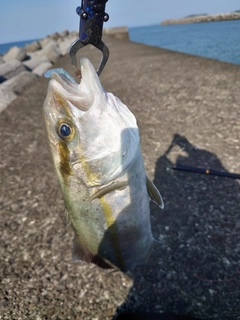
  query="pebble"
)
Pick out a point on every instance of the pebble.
point(198, 291)
point(35, 299)
point(3, 302)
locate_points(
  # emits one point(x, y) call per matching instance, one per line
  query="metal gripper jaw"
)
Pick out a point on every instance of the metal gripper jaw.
point(92, 15)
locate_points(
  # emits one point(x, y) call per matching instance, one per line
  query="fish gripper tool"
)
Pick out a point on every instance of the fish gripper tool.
point(92, 15)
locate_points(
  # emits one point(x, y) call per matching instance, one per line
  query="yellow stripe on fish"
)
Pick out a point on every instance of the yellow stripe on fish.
point(112, 229)
point(108, 215)
point(91, 176)
point(64, 165)
point(106, 208)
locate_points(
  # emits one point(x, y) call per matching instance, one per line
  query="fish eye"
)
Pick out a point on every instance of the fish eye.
point(65, 131)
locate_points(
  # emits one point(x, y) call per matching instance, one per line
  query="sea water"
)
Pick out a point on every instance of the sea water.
point(215, 40)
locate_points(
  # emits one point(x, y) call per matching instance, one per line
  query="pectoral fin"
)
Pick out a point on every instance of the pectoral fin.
point(153, 193)
point(109, 188)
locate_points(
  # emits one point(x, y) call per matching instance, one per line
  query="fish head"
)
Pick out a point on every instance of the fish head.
point(93, 136)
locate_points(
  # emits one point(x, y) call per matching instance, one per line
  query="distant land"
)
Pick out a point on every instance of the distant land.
point(196, 18)
point(196, 15)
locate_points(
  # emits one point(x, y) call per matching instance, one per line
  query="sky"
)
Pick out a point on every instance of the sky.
point(28, 19)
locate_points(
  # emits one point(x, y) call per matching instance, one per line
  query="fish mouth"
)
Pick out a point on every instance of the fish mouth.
point(80, 95)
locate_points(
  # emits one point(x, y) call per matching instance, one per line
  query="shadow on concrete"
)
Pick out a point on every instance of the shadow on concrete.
point(196, 263)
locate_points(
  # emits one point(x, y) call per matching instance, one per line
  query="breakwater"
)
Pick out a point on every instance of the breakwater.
point(19, 67)
point(203, 18)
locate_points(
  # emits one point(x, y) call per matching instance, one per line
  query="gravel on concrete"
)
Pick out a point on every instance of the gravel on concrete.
point(188, 113)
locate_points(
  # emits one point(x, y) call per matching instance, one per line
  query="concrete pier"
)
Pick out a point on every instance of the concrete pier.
point(188, 112)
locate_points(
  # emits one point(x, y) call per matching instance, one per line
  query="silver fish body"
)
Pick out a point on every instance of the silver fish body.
point(94, 141)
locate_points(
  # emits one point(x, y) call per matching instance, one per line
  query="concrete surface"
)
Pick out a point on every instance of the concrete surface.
point(188, 113)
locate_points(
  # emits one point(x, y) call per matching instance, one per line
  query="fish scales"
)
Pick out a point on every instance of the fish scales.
point(95, 145)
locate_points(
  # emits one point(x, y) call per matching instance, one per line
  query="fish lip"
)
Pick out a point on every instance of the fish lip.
point(80, 96)
point(89, 82)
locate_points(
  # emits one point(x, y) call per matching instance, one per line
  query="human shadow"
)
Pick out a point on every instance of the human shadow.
point(193, 272)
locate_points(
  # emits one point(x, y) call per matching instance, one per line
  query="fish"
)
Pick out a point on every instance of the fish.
point(95, 145)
